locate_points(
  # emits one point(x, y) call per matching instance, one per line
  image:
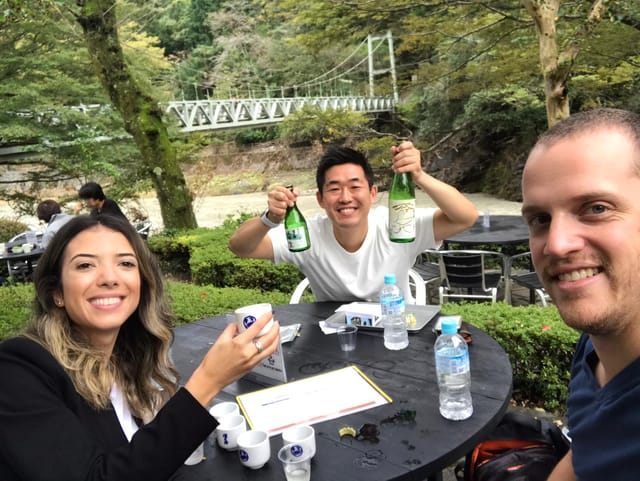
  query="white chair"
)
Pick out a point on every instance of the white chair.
point(298, 291)
point(416, 282)
point(143, 228)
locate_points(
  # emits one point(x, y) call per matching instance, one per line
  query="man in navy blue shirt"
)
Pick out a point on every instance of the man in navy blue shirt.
point(581, 200)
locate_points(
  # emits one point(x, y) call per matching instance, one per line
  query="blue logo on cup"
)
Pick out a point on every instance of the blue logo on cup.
point(247, 321)
point(244, 456)
point(297, 450)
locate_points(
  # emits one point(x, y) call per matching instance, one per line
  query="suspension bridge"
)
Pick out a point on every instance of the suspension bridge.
point(198, 115)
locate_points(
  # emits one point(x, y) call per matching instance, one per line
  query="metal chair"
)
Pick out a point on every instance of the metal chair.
point(143, 228)
point(471, 274)
point(428, 266)
point(529, 280)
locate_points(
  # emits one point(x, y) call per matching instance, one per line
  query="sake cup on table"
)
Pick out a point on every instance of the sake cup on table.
point(229, 429)
point(254, 448)
point(303, 436)
point(219, 411)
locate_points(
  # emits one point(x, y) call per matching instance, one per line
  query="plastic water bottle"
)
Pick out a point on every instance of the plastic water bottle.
point(392, 307)
point(31, 237)
point(454, 376)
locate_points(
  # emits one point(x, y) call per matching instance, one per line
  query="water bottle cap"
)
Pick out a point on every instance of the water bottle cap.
point(449, 326)
point(389, 278)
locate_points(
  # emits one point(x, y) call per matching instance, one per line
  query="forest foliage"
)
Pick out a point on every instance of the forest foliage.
point(471, 77)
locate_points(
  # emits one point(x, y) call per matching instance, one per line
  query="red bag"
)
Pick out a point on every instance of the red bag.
point(521, 448)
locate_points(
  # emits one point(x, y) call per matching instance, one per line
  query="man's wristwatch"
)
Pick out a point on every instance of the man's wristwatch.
point(268, 222)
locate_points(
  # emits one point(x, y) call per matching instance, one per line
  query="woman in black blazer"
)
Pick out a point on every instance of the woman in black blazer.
point(89, 391)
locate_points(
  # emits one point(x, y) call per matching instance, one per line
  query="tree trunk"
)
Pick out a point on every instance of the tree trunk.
point(141, 114)
point(556, 67)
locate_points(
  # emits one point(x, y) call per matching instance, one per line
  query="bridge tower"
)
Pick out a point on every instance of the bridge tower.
point(392, 63)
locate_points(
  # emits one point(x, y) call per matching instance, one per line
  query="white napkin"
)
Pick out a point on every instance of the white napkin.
point(326, 328)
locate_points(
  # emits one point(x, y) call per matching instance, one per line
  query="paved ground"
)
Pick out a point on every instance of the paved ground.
point(212, 211)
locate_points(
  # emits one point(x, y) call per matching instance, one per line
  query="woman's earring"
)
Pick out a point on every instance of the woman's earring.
point(58, 302)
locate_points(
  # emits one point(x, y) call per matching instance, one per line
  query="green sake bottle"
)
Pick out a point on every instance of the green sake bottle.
point(402, 209)
point(296, 229)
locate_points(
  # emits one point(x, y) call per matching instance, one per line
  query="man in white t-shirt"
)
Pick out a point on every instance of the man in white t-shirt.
point(350, 248)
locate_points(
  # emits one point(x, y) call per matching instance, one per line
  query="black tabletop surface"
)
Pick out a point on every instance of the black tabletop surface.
point(503, 230)
point(407, 449)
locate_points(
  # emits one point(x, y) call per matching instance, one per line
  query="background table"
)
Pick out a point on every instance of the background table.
point(21, 265)
point(503, 231)
point(407, 450)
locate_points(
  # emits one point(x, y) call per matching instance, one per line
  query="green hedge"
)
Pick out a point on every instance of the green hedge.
point(538, 343)
point(189, 303)
point(540, 347)
point(192, 302)
point(16, 303)
point(203, 256)
point(10, 228)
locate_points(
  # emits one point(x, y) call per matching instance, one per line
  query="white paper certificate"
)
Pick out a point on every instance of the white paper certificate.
point(311, 400)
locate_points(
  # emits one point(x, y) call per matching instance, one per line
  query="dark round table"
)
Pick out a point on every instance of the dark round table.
point(407, 448)
point(21, 265)
point(503, 230)
point(505, 234)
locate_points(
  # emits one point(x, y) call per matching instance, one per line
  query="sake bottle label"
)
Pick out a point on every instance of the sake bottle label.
point(296, 238)
point(402, 222)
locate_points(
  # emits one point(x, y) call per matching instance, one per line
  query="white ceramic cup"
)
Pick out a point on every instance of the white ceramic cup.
point(254, 448)
point(196, 456)
point(222, 409)
point(27, 247)
point(296, 464)
point(247, 315)
point(228, 431)
point(218, 411)
point(303, 436)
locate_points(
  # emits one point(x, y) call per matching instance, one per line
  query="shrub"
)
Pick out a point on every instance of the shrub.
point(11, 228)
point(203, 256)
point(16, 305)
point(311, 123)
point(539, 344)
point(191, 303)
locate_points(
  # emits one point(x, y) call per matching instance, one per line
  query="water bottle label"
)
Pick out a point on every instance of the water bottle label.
point(296, 238)
point(402, 219)
point(392, 306)
point(458, 364)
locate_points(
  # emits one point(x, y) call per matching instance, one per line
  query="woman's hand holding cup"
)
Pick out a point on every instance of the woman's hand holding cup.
point(232, 356)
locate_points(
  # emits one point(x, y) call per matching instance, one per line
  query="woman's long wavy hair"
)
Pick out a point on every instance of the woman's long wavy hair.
point(140, 362)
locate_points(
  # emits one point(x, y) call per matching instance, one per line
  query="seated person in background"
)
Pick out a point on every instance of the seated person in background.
point(350, 248)
point(89, 390)
point(49, 211)
point(94, 197)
